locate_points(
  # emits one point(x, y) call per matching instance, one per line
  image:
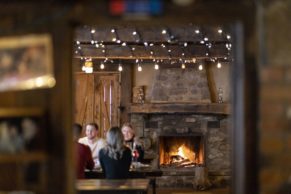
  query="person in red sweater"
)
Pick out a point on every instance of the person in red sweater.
point(83, 154)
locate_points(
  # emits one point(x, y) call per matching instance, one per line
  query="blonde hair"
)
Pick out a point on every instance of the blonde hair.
point(127, 124)
point(115, 143)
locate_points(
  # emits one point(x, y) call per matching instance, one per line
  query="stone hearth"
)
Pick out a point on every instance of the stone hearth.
point(213, 129)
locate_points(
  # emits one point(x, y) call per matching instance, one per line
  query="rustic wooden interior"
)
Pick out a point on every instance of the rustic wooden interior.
point(60, 19)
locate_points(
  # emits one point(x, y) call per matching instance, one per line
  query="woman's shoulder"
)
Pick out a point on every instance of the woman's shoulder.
point(127, 149)
point(101, 142)
point(102, 151)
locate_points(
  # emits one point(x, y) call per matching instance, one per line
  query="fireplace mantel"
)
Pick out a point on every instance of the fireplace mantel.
point(204, 108)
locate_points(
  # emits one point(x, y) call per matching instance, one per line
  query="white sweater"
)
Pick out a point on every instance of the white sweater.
point(95, 147)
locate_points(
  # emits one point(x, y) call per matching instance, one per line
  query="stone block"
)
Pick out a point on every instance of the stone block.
point(190, 120)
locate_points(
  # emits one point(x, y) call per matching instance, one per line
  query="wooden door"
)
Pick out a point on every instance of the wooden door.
point(97, 98)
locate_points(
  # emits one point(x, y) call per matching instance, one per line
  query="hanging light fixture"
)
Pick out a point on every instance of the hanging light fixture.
point(218, 65)
point(139, 68)
point(183, 66)
point(200, 67)
point(88, 66)
point(156, 66)
point(120, 67)
point(102, 66)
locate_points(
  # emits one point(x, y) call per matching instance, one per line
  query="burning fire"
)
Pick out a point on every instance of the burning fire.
point(180, 153)
point(186, 153)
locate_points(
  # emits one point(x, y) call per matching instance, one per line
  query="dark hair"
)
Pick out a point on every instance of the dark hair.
point(94, 125)
point(77, 129)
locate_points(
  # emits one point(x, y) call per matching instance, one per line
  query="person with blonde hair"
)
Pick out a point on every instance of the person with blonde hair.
point(132, 142)
point(115, 157)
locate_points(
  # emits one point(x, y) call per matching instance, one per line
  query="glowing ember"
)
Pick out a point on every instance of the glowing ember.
point(180, 152)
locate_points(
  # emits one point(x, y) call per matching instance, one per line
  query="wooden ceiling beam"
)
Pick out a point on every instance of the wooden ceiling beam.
point(151, 34)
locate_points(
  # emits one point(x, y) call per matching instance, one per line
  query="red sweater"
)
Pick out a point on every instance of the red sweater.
point(84, 159)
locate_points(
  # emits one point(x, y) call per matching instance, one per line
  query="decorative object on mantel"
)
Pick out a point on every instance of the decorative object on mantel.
point(138, 94)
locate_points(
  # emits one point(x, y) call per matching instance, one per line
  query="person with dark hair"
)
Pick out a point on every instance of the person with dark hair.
point(84, 158)
point(133, 142)
point(115, 158)
point(93, 141)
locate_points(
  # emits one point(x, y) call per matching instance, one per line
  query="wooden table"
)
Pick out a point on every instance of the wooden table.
point(112, 186)
point(136, 173)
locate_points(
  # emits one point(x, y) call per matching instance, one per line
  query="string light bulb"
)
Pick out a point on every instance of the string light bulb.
point(218, 65)
point(139, 68)
point(156, 66)
point(200, 67)
point(120, 67)
point(102, 66)
point(219, 31)
point(183, 66)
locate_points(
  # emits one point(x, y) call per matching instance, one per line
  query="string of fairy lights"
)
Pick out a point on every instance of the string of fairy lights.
point(183, 60)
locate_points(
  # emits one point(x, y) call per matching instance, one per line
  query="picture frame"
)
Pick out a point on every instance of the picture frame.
point(26, 62)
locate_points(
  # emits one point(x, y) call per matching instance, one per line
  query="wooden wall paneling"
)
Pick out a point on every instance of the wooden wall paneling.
point(90, 96)
point(97, 113)
point(116, 100)
point(97, 100)
point(105, 91)
point(110, 101)
point(125, 93)
point(81, 100)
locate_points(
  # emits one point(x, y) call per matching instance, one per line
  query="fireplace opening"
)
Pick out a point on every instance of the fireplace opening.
point(181, 151)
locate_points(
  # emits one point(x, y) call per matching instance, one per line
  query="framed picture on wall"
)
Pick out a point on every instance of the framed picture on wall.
point(26, 62)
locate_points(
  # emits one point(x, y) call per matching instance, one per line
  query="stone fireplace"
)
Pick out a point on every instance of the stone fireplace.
point(182, 125)
point(178, 143)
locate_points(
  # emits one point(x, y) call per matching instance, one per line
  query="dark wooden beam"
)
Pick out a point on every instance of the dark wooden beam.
point(142, 52)
point(211, 84)
point(203, 108)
